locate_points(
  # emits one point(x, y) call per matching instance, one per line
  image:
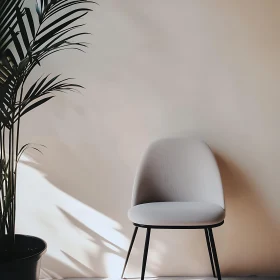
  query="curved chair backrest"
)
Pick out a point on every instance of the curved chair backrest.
point(178, 169)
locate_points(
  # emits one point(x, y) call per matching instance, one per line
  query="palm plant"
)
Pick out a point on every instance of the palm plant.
point(26, 39)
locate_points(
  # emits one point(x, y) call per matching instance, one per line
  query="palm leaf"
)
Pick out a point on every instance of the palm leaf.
point(22, 28)
point(39, 10)
point(56, 6)
point(60, 19)
point(36, 104)
point(54, 31)
point(28, 146)
point(30, 21)
point(7, 21)
point(17, 45)
point(30, 91)
point(44, 86)
point(11, 58)
point(64, 42)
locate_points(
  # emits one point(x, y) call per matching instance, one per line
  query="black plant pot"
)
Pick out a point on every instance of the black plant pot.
point(23, 262)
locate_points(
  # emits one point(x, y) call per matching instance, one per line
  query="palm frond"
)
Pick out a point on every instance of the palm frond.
point(41, 91)
point(8, 21)
point(29, 146)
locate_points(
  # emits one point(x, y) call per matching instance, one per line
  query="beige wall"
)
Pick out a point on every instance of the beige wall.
point(155, 69)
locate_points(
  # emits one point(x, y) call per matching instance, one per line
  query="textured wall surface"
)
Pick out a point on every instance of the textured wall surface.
point(155, 69)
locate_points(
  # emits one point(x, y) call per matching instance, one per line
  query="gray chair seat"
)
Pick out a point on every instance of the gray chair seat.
point(176, 214)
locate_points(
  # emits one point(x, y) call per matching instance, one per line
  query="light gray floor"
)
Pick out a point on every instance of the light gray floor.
point(184, 278)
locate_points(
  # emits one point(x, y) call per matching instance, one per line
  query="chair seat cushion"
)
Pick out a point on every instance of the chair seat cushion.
point(177, 214)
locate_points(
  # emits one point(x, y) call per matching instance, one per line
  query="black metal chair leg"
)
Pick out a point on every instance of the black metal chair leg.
point(210, 251)
point(129, 250)
point(146, 249)
point(214, 253)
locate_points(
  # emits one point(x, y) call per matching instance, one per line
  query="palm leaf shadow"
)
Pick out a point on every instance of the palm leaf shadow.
point(96, 261)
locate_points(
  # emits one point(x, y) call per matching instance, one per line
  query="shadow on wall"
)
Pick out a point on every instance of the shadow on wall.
point(249, 242)
point(85, 245)
point(97, 261)
point(104, 246)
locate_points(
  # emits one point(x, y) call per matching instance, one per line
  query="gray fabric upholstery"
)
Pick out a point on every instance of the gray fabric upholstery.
point(177, 214)
point(177, 170)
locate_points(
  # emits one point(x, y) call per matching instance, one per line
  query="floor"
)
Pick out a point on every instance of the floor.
point(185, 278)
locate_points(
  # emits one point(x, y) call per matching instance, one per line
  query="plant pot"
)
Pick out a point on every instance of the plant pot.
point(23, 262)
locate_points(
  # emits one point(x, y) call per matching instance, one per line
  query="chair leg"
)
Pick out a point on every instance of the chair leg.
point(210, 251)
point(129, 250)
point(215, 256)
point(146, 249)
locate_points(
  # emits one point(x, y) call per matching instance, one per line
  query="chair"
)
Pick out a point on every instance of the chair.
point(178, 186)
